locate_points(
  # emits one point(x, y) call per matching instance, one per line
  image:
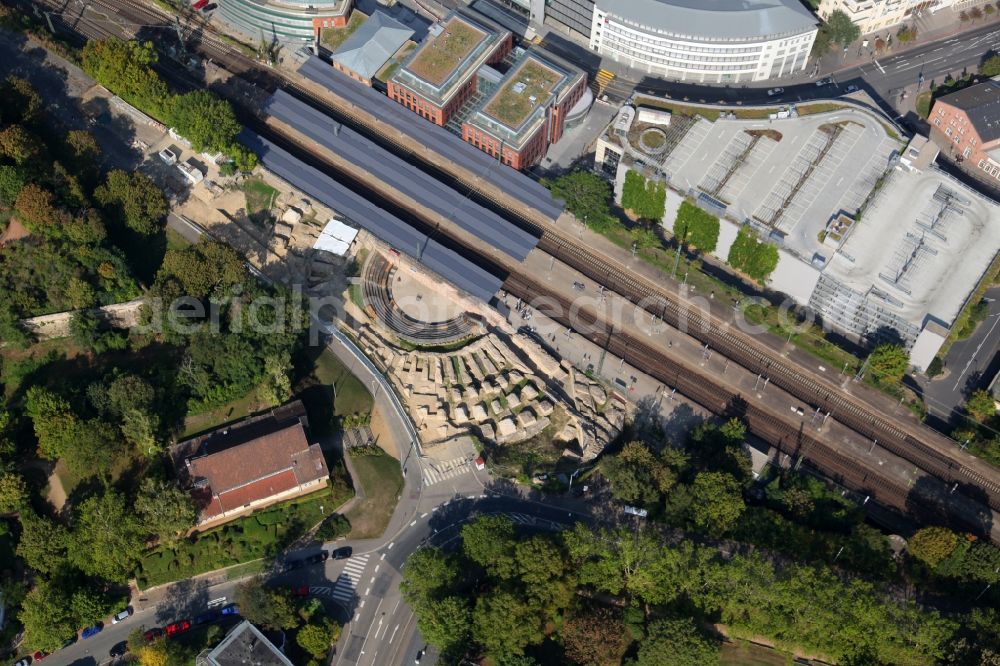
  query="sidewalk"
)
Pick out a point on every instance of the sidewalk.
point(930, 28)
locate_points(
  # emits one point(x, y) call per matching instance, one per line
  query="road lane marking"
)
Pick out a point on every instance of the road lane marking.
point(393, 634)
point(391, 544)
point(423, 515)
point(383, 556)
point(413, 523)
point(376, 567)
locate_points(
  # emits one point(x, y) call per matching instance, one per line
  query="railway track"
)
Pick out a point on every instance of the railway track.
point(788, 438)
point(934, 458)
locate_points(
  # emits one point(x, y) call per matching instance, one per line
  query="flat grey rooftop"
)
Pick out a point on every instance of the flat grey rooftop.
point(715, 19)
point(763, 174)
point(925, 241)
point(500, 234)
point(512, 182)
point(391, 230)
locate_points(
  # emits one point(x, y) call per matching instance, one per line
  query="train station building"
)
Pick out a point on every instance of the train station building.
point(285, 20)
point(441, 75)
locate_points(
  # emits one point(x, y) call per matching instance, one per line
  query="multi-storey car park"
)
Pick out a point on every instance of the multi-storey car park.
point(527, 111)
point(440, 76)
point(706, 41)
point(966, 477)
point(285, 20)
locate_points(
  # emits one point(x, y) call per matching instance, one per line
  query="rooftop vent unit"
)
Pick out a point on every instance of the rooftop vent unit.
point(519, 87)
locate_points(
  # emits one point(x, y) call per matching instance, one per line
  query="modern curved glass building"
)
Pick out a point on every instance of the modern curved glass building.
point(285, 20)
point(710, 41)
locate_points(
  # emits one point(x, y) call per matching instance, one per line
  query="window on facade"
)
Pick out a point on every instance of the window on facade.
point(967, 152)
point(947, 131)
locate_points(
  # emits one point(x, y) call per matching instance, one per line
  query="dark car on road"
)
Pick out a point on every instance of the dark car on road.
point(300, 590)
point(207, 617)
point(231, 609)
point(118, 649)
point(342, 553)
point(152, 634)
point(69, 641)
point(92, 631)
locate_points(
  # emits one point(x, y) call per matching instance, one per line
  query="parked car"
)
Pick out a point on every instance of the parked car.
point(852, 88)
point(205, 618)
point(118, 649)
point(152, 634)
point(199, 4)
point(292, 565)
point(775, 91)
point(122, 615)
point(38, 656)
point(69, 641)
point(24, 662)
point(300, 590)
point(343, 553)
point(209, 8)
point(178, 627)
point(231, 609)
point(824, 82)
point(92, 631)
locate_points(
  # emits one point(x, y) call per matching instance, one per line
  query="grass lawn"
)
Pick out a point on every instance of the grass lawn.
point(332, 38)
point(213, 418)
point(321, 376)
point(707, 113)
point(381, 481)
point(741, 653)
point(261, 535)
point(819, 107)
point(352, 396)
point(923, 103)
point(175, 241)
point(260, 196)
point(357, 295)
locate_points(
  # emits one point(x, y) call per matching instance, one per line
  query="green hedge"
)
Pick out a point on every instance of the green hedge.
point(695, 227)
point(647, 199)
point(755, 258)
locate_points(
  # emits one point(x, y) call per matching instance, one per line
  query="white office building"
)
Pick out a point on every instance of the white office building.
point(706, 41)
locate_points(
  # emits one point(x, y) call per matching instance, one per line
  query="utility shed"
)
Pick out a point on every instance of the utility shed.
point(336, 237)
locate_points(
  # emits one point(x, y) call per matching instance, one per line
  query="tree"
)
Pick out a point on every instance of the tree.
point(12, 179)
point(489, 542)
point(445, 623)
point(596, 639)
point(13, 492)
point(154, 654)
point(586, 194)
point(644, 198)
point(989, 10)
point(975, 13)
point(36, 208)
point(107, 537)
point(822, 43)
point(134, 200)
point(166, 511)
point(990, 67)
point(54, 422)
point(21, 102)
point(19, 145)
point(718, 502)
point(268, 608)
point(677, 642)
point(504, 624)
point(43, 545)
point(539, 562)
point(906, 34)
point(636, 476)
point(205, 120)
point(207, 268)
point(981, 405)
point(317, 637)
point(47, 617)
point(842, 29)
point(125, 68)
point(696, 227)
point(752, 256)
point(963, 16)
point(428, 571)
point(888, 363)
point(933, 545)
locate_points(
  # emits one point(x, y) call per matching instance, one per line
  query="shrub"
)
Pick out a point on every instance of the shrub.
point(333, 527)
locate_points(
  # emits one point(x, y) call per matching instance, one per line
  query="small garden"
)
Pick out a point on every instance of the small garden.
point(381, 482)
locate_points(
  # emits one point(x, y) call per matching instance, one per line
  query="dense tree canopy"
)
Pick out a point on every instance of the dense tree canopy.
point(133, 200)
point(888, 363)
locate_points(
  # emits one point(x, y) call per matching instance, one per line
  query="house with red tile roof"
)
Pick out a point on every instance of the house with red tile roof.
point(250, 464)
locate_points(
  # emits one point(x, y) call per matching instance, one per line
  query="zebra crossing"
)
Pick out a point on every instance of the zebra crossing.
point(347, 582)
point(437, 472)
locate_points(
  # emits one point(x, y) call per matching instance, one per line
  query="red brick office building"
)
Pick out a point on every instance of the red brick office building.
point(440, 76)
point(966, 125)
